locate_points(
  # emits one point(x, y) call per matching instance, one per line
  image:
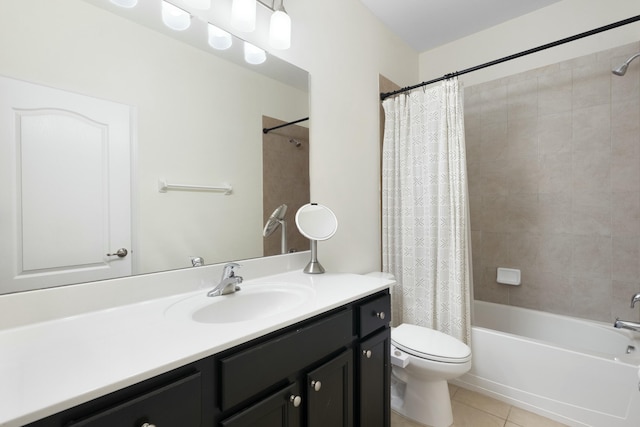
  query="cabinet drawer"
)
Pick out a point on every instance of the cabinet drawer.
point(247, 372)
point(374, 314)
point(175, 405)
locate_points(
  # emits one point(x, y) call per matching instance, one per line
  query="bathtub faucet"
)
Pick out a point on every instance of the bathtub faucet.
point(625, 324)
point(635, 299)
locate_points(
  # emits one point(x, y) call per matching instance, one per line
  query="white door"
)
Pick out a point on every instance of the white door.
point(65, 200)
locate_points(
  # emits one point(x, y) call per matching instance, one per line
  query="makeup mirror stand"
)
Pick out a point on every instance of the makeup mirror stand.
point(316, 222)
point(314, 266)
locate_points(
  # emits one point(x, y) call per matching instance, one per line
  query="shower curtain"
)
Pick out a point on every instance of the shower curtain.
point(425, 215)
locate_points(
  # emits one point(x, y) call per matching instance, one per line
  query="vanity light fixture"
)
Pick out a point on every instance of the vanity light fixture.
point(199, 4)
point(243, 15)
point(243, 18)
point(219, 38)
point(280, 28)
point(125, 3)
point(174, 17)
point(254, 55)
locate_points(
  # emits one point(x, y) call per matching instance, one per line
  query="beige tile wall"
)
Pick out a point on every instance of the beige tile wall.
point(285, 179)
point(554, 186)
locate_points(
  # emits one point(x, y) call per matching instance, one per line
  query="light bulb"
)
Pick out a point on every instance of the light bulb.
point(174, 17)
point(243, 15)
point(254, 55)
point(218, 38)
point(125, 3)
point(199, 4)
point(280, 30)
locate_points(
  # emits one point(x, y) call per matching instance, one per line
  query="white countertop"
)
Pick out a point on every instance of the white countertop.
point(50, 366)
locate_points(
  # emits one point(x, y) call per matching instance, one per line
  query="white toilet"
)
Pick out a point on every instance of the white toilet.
point(422, 361)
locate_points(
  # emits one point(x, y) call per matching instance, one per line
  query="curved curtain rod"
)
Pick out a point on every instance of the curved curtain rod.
point(384, 96)
point(267, 130)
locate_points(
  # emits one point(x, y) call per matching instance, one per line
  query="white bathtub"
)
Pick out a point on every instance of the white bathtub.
point(573, 371)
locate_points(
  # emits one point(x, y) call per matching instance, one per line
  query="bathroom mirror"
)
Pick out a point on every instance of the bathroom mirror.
point(197, 119)
point(316, 222)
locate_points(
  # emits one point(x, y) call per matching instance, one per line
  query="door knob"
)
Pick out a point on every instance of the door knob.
point(316, 385)
point(121, 253)
point(367, 353)
point(295, 400)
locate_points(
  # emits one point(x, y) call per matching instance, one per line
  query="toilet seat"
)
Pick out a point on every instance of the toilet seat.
point(429, 344)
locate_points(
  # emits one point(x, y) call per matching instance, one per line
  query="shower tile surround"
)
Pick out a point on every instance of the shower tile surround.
point(553, 157)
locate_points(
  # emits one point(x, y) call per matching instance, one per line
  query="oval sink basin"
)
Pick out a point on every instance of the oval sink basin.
point(251, 303)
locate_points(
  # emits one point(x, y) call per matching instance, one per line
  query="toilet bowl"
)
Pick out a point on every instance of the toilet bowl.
point(423, 360)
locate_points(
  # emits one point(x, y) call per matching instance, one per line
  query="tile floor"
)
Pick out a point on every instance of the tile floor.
point(472, 409)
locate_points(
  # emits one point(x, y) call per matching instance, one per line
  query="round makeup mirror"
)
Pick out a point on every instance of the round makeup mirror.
point(316, 222)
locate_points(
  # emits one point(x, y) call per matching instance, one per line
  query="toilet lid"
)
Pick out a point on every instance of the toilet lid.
point(430, 344)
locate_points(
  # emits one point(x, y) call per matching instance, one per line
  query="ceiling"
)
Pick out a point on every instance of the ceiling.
point(425, 24)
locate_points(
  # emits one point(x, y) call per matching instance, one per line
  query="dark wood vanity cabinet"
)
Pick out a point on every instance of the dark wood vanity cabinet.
point(330, 370)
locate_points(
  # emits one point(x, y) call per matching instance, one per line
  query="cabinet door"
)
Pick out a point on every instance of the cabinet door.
point(281, 409)
point(374, 372)
point(330, 393)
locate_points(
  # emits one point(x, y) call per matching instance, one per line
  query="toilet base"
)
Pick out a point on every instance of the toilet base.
point(427, 402)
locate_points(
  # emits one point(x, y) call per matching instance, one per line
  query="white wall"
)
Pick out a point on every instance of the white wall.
point(555, 22)
point(345, 48)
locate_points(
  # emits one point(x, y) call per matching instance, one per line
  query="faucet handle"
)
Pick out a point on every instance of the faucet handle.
point(228, 270)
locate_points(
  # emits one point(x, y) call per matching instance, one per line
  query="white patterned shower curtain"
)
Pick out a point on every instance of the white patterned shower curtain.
point(425, 216)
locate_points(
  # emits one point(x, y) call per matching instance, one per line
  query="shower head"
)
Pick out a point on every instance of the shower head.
point(622, 69)
point(274, 220)
point(295, 141)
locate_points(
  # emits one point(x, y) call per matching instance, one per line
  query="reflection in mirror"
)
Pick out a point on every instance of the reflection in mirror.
point(193, 118)
point(275, 220)
point(285, 180)
point(316, 222)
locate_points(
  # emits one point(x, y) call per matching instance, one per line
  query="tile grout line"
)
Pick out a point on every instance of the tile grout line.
point(486, 412)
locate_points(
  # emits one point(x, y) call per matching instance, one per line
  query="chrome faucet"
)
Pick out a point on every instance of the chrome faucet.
point(625, 324)
point(228, 283)
point(635, 299)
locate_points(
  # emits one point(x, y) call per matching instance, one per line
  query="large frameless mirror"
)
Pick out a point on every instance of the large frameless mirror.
point(201, 178)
